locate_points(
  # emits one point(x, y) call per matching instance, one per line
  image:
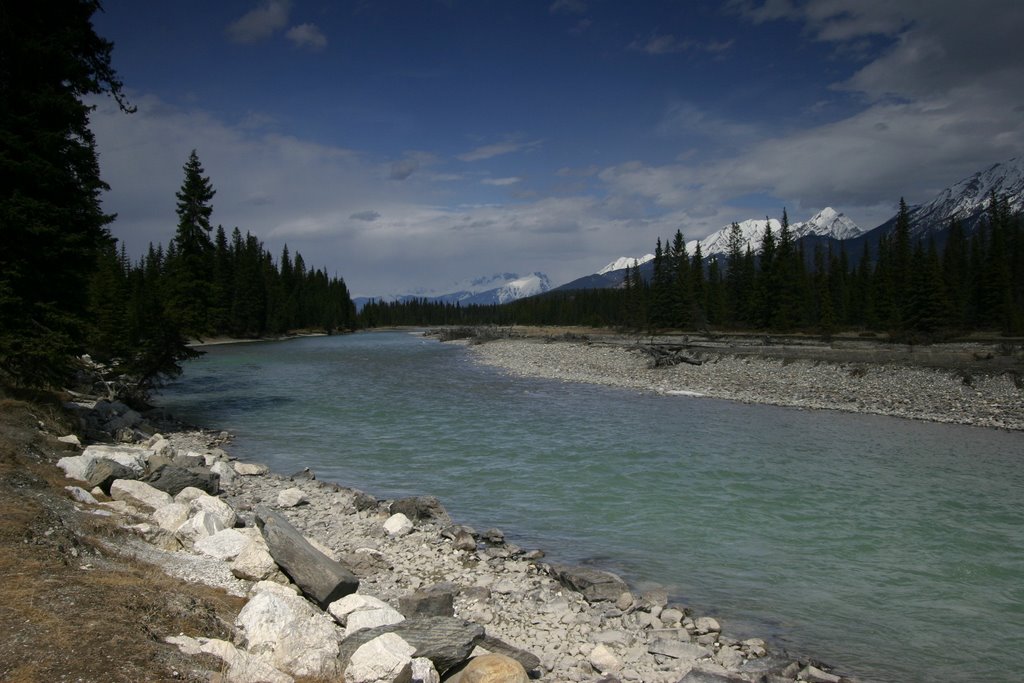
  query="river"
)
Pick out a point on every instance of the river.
point(891, 549)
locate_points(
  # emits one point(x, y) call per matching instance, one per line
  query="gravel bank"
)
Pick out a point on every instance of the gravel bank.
point(884, 389)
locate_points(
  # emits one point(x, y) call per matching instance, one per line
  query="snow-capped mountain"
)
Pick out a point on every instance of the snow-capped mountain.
point(625, 262)
point(968, 199)
point(826, 223)
point(520, 288)
point(499, 288)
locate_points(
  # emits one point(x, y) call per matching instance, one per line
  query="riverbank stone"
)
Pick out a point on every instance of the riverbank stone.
point(446, 641)
point(434, 601)
point(492, 668)
point(421, 508)
point(289, 633)
point(318, 576)
point(172, 479)
point(595, 585)
point(105, 472)
point(139, 494)
point(385, 659)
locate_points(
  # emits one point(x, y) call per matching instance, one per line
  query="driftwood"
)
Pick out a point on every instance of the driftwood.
point(665, 356)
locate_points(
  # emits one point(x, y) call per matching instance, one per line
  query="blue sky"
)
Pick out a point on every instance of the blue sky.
point(416, 143)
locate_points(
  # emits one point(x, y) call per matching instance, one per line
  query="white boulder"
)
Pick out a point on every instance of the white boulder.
point(216, 507)
point(171, 516)
point(254, 563)
point(250, 469)
point(385, 659)
point(224, 470)
point(292, 497)
point(398, 525)
point(224, 545)
point(289, 633)
point(139, 493)
point(188, 494)
point(199, 525)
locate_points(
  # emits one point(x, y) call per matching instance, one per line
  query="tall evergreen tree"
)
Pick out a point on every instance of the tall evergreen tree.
point(52, 228)
point(191, 270)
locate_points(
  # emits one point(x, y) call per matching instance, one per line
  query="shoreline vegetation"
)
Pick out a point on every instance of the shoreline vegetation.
point(978, 383)
point(421, 576)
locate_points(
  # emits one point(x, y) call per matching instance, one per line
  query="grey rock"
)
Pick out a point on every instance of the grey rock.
point(105, 472)
point(594, 584)
point(172, 479)
point(707, 625)
point(464, 541)
point(434, 601)
point(528, 660)
point(322, 579)
point(363, 501)
point(446, 641)
point(365, 563)
point(729, 658)
point(493, 536)
point(421, 508)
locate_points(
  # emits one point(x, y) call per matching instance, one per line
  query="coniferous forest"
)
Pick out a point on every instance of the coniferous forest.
point(907, 288)
point(66, 288)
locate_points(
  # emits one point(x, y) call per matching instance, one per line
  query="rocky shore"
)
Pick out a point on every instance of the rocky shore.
point(798, 380)
point(342, 586)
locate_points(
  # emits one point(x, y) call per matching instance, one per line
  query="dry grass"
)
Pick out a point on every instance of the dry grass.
point(66, 611)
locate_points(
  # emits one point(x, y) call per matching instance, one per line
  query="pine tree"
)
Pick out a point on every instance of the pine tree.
point(767, 280)
point(191, 269)
point(52, 228)
point(900, 273)
point(682, 292)
point(788, 288)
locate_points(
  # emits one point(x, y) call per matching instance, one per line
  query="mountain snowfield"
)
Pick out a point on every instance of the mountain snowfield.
point(625, 262)
point(826, 223)
point(967, 198)
point(520, 288)
point(498, 288)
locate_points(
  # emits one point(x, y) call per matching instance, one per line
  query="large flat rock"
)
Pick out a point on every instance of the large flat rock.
point(320, 578)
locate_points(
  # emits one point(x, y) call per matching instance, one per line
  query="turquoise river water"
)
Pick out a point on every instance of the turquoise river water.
point(891, 549)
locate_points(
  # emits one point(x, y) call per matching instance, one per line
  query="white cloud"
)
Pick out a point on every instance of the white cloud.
point(502, 182)
point(307, 35)
point(497, 149)
point(259, 23)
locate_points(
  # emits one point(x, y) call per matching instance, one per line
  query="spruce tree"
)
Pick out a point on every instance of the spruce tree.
point(52, 228)
point(191, 269)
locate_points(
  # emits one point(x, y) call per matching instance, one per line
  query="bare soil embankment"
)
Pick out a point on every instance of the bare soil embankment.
point(67, 610)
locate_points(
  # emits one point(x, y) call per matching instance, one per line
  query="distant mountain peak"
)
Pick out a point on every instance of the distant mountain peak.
point(826, 223)
point(498, 288)
point(968, 198)
point(624, 262)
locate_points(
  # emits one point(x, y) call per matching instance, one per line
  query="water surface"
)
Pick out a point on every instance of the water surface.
point(890, 548)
